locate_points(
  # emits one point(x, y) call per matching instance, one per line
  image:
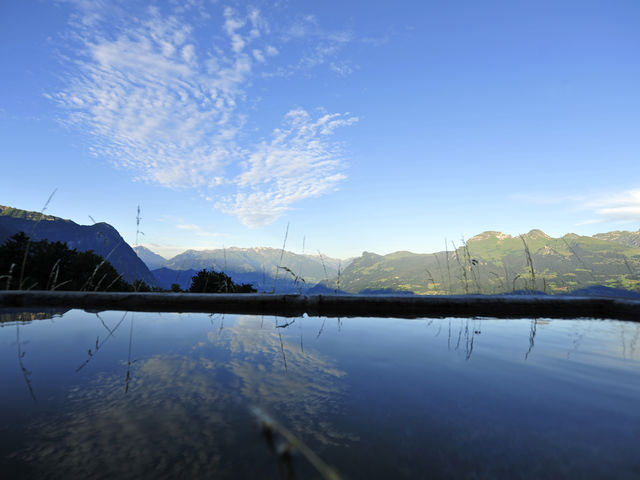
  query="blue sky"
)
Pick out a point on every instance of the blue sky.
point(377, 126)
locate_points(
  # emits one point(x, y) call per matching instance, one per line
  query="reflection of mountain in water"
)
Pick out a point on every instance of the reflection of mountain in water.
point(20, 316)
point(186, 414)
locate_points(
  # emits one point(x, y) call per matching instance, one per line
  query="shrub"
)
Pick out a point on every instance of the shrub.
point(217, 282)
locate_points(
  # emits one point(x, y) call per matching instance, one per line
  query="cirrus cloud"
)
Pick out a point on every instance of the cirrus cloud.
point(623, 207)
point(299, 162)
point(615, 207)
point(155, 99)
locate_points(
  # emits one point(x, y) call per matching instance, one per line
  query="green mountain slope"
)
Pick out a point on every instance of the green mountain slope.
point(623, 237)
point(493, 262)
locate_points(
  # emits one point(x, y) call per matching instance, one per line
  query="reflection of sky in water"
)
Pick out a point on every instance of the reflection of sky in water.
point(165, 395)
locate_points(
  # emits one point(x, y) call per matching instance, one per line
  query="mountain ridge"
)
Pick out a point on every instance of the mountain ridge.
point(493, 262)
point(489, 262)
point(562, 265)
point(151, 259)
point(100, 237)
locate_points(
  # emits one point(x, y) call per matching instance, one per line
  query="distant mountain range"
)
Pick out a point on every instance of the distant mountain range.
point(102, 238)
point(167, 277)
point(151, 259)
point(267, 269)
point(491, 262)
point(312, 268)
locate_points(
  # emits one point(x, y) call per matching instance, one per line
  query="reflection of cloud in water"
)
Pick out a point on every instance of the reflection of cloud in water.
point(170, 424)
point(299, 395)
point(188, 416)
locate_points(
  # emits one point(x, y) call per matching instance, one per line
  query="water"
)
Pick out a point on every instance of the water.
point(141, 395)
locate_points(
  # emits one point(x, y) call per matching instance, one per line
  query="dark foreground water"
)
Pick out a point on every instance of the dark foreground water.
point(198, 396)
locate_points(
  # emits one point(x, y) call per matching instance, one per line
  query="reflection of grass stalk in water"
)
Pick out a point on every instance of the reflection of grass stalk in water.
point(468, 349)
point(99, 345)
point(270, 428)
point(532, 337)
point(25, 373)
point(321, 327)
point(103, 324)
point(221, 325)
point(301, 341)
point(459, 337)
point(129, 362)
point(284, 357)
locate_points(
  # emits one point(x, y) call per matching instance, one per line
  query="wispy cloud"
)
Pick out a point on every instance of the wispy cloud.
point(197, 230)
point(614, 207)
point(152, 104)
point(188, 226)
point(321, 47)
point(623, 207)
point(546, 198)
point(298, 162)
point(342, 68)
point(158, 101)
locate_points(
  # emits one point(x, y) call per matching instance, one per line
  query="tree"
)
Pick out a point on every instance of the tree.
point(54, 266)
point(217, 282)
point(141, 286)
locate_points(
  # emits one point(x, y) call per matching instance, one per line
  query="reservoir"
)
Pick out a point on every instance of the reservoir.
point(161, 395)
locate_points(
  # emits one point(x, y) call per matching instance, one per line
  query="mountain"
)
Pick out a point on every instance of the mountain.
point(151, 259)
point(493, 262)
point(623, 237)
point(267, 269)
point(490, 262)
point(256, 263)
point(102, 238)
point(263, 283)
point(167, 277)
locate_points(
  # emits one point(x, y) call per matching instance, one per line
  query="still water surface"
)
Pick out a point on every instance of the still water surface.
point(141, 395)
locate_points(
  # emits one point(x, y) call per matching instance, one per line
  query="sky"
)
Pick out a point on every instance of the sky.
point(356, 126)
